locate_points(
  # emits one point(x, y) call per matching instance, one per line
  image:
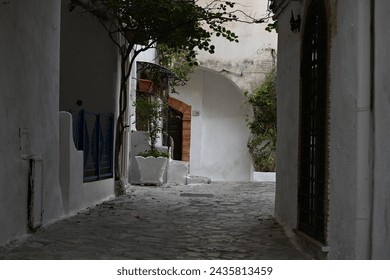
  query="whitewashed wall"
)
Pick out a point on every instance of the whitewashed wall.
point(348, 212)
point(246, 62)
point(33, 74)
point(29, 86)
point(218, 133)
point(88, 72)
point(75, 194)
point(343, 142)
point(89, 64)
point(289, 49)
point(358, 192)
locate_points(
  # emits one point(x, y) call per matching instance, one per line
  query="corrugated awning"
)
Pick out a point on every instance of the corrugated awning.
point(144, 65)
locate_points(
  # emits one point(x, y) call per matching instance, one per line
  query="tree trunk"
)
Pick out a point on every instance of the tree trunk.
point(120, 185)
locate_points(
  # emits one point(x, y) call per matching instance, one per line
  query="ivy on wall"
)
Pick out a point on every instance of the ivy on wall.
point(262, 141)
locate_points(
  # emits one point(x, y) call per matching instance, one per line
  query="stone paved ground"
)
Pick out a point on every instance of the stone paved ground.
point(216, 221)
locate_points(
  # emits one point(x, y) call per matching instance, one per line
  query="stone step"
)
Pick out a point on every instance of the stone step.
point(191, 180)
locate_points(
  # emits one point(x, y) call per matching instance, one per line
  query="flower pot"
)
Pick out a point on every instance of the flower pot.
point(145, 85)
point(152, 169)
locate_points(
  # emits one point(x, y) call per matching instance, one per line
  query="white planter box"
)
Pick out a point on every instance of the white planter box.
point(177, 172)
point(152, 169)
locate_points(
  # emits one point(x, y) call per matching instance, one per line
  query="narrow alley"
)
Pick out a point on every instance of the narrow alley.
point(216, 221)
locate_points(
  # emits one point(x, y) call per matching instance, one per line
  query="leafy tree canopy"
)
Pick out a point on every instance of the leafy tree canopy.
point(179, 24)
point(262, 143)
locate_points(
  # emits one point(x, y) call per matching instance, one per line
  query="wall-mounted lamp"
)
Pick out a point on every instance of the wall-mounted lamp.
point(295, 23)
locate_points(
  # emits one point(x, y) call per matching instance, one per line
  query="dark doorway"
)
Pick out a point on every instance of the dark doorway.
point(175, 130)
point(313, 124)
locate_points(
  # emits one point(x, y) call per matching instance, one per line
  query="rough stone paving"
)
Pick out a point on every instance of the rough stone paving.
point(215, 221)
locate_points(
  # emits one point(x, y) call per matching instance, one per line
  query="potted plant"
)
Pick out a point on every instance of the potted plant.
point(152, 163)
point(145, 85)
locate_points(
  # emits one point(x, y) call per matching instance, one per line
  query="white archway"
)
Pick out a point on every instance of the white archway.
point(219, 133)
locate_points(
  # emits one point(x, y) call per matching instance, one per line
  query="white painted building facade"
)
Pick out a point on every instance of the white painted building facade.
point(218, 129)
point(332, 178)
point(53, 62)
point(30, 140)
point(219, 132)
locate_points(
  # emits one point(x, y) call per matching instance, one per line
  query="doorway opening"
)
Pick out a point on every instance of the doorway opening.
point(175, 131)
point(313, 125)
point(181, 111)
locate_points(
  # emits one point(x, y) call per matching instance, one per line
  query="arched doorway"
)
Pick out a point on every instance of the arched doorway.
point(175, 130)
point(313, 124)
point(181, 118)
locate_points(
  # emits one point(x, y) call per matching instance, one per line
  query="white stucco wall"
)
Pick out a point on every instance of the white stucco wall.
point(219, 133)
point(347, 228)
point(347, 151)
point(359, 194)
point(358, 178)
point(77, 195)
point(246, 62)
point(29, 85)
point(89, 72)
point(30, 99)
point(89, 64)
point(71, 162)
point(288, 91)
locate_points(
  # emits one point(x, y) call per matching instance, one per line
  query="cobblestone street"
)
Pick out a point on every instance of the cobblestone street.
point(216, 221)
